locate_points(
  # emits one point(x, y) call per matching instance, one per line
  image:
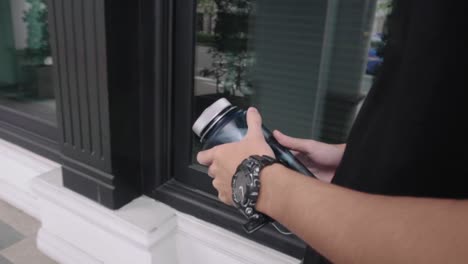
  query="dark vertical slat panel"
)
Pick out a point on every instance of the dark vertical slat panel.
point(93, 95)
point(102, 78)
point(82, 78)
point(56, 72)
point(73, 82)
point(62, 69)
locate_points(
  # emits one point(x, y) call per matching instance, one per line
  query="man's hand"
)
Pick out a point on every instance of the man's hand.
point(223, 160)
point(320, 158)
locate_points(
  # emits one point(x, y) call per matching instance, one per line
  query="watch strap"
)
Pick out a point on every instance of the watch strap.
point(264, 160)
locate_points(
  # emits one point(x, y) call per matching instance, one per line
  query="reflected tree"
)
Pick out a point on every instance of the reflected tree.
point(35, 60)
point(38, 47)
point(231, 58)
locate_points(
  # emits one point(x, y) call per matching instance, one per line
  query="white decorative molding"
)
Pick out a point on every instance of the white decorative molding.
point(19, 199)
point(77, 230)
point(17, 169)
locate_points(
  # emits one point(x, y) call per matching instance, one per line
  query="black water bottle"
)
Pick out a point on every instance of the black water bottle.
point(222, 123)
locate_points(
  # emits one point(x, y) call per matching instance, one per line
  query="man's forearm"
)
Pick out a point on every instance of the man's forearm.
point(352, 227)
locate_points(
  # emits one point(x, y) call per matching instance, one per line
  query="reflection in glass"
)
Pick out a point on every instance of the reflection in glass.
point(223, 57)
point(25, 59)
point(307, 65)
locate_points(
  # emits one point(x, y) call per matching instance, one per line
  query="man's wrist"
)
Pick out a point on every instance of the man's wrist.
point(270, 196)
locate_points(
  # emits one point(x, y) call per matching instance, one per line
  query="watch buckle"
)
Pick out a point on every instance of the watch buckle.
point(254, 224)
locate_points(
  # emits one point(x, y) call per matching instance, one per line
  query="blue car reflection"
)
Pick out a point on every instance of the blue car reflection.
point(373, 60)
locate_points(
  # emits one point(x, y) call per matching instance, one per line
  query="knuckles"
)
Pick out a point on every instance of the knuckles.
point(212, 170)
point(216, 184)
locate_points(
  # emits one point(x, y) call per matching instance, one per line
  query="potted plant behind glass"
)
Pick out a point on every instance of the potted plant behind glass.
point(36, 60)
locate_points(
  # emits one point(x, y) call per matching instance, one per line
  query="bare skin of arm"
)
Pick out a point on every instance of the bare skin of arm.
point(352, 227)
point(344, 225)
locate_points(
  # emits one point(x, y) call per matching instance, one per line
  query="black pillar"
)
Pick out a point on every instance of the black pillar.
point(99, 80)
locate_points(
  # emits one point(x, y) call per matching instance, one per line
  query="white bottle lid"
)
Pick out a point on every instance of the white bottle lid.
point(209, 114)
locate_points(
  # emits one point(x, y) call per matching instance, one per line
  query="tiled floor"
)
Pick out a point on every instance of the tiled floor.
point(18, 238)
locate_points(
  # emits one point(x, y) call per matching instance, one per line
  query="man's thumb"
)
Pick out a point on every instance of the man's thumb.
point(254, 122)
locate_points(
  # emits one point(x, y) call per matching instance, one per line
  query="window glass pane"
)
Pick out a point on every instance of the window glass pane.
point(25, 59)
point(306, 64)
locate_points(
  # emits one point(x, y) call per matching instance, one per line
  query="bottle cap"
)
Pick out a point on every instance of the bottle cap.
point(210, 113)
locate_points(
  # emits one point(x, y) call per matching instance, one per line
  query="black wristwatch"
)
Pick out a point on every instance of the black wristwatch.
point(245, 190)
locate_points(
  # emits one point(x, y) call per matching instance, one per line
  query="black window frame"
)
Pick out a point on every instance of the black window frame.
point(30, 132)
point(175, 23)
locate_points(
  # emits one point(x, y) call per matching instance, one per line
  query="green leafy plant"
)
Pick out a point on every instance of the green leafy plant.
point(207, 6)
point(38, 47)
point(385, 6)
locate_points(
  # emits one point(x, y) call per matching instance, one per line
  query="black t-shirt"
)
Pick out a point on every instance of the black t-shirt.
point(409, 137)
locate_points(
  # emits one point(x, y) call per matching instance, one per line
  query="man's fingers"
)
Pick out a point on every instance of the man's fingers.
point(205, 157)
point(297, 144)
point(254, 122)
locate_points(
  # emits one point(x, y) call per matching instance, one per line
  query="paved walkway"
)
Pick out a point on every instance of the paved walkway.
point(18, 238)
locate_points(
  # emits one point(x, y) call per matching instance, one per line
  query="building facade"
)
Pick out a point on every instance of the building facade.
point(108, 90)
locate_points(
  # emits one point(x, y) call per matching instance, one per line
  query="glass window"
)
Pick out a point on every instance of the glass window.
point(25, 59)
point(306, 65)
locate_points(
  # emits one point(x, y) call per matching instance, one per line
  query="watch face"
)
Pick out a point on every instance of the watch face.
point(242, 182)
